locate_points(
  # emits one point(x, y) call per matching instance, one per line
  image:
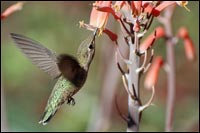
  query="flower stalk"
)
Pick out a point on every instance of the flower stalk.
point(135, 19)
point(171, 75)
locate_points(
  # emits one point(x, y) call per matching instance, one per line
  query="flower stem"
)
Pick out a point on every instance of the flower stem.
point(133, 80)
point(171, 76)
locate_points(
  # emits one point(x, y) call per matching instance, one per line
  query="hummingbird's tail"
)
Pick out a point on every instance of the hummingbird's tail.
point(47, 115)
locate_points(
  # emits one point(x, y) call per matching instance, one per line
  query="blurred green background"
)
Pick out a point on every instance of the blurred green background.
point(25, 88)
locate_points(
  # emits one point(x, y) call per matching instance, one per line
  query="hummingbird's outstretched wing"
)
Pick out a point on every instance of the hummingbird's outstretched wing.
point(44, 58)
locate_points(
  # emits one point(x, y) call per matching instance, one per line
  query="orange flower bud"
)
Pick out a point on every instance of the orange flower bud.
point(183, 33)
point(152, 75)
point(188, 44)
point(149, 40)
point(160, 32)
point(13, 8)
point(189, 49)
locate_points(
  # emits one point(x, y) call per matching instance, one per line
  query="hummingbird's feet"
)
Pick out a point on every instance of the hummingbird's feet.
point(71, 101)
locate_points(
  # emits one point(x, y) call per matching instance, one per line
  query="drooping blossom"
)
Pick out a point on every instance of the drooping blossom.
point(159, 32)
point(152, 75)
point(10, 10)
point(188, 44)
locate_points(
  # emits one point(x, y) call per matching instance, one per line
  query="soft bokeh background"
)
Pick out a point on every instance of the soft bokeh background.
point(25, 88)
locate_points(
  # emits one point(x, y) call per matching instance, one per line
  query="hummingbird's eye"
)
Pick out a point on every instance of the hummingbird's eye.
point(91, 47)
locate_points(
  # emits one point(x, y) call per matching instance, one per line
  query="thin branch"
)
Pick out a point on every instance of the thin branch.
point(152, 42)
point(123, 25)
point(121, 56)
point(126, 87)
point(120, 113)
point(118, 65)
point(143, 64)
point(150, 61)
point(120, 68)
point(149, 103)
point(136, 43)
point(150, 22)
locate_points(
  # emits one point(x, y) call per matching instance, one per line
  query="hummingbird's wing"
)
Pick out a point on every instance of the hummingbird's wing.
point(44, 58)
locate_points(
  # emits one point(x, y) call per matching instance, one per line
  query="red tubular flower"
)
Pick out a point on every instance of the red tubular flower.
point(97, 18)
point(13, 8)
point(156, 11)
point(188, 44)
point(183, 33)
point(152, 75)
point(162, 6)
point(189, 49)
point(149, 40)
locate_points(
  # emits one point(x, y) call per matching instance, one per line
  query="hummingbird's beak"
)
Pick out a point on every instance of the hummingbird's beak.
point(95, 33)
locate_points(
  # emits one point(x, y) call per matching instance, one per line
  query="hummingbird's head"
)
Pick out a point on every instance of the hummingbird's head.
point(86, 51)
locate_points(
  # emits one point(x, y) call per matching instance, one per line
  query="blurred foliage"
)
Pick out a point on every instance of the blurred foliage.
point(55, 25)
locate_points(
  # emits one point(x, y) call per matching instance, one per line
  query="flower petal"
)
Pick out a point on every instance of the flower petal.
point(109, 10)
point(111, 35)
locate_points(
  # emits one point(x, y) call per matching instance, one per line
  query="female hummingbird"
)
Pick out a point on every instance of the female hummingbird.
point(71, 72)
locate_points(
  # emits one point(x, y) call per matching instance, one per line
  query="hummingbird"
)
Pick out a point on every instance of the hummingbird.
point(70, 72)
